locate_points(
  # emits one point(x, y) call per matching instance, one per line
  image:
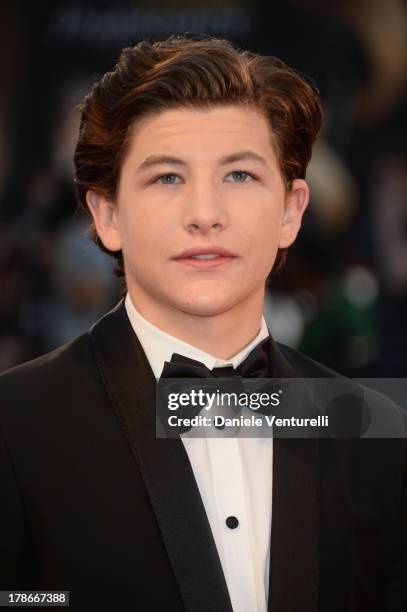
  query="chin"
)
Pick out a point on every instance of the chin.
point(205, 306)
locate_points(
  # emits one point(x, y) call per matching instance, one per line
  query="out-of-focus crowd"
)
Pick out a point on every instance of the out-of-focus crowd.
point(342, 297)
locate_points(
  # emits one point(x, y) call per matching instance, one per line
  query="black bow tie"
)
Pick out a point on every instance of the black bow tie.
point(256, 365)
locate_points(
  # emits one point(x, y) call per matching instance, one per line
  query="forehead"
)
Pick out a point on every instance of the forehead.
point(202, 133)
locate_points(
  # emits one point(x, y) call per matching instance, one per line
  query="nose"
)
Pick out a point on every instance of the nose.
point(204, 209)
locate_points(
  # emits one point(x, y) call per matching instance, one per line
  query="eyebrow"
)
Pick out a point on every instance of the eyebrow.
point(156, 160)
point(243, 156)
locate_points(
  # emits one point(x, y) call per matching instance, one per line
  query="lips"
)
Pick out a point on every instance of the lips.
point(206, 250)
point(205, 257)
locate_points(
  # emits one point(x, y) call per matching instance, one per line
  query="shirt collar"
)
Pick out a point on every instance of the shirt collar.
point(160, 346)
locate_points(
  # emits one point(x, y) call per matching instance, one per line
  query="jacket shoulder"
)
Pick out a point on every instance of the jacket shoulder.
point(64, 369)
point(304, 366)
point(382, 416)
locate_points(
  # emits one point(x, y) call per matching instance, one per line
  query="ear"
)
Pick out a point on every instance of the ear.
point(296, 201)
point(105, 217)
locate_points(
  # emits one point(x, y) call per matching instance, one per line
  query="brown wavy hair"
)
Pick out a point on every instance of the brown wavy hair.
point(185, 72)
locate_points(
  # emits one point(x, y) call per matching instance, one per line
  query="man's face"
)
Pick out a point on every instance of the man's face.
point(201, 210)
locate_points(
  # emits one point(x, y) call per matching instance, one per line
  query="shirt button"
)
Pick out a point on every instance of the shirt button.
point(232, 522)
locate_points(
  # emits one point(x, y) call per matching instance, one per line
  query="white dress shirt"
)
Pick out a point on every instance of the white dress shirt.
point(234, 477)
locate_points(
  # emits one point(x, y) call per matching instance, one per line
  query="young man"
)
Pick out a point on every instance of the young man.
point(191, 158)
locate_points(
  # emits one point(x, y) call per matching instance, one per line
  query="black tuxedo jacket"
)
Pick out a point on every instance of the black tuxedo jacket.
point(93, 503)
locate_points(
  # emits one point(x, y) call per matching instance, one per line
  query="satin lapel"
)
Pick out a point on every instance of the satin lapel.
point(294, 550)
point(163, 463)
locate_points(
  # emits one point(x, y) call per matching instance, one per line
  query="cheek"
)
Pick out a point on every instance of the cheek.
point(262, 243)
point(144, 239)
point(262, 230)
point(137, 228)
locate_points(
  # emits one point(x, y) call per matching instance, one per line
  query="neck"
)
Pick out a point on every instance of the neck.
point(222, 335)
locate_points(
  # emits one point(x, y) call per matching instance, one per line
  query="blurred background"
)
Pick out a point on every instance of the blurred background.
point(342, 297)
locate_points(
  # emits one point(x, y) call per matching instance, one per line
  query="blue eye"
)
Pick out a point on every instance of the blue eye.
point(168, 179)
point(238, 176)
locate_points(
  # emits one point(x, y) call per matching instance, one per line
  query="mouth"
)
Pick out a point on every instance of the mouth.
point(205, 257)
